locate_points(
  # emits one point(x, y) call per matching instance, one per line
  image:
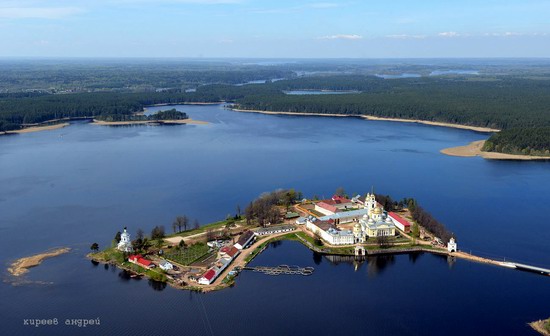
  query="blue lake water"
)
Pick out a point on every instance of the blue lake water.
point(454, 72)
point(81, 184)
point(403, 75)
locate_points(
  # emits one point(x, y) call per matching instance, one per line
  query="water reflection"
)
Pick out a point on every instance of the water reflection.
point(376, 264)
point(157, 285)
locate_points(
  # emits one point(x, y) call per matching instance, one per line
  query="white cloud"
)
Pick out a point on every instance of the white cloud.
point(449, 34)
point(341, 37)
point(406, 36)
point(37, 12)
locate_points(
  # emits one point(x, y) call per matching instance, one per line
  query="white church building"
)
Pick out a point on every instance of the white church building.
point(125, 244)
point(373, 224)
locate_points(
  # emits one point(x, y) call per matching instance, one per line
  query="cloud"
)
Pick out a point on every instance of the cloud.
point(406, 36)
point(341, 37)
point(449, 34)
point(38, 12)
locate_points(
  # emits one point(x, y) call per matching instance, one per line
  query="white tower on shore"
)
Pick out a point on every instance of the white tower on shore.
point(451, 245)
point(125, 244)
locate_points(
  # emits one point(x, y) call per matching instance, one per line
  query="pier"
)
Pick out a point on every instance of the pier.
point(527, 268)
point(282, 270)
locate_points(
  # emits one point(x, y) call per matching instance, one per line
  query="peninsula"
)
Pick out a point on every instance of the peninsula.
point(475, 149)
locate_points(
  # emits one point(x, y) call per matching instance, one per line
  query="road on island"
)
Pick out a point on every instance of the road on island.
point(240, 260)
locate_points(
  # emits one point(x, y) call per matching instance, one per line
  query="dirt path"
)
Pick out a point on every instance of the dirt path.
point(21, 266)
point(187, 239)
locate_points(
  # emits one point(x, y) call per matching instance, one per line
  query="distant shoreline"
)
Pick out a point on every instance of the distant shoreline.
point(186, 103)
point(474, 149)
point(370, 117)
point(147, 122)
point(36, 129)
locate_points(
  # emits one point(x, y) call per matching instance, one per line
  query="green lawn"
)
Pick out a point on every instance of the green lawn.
point(188, 255)
point(110, 254)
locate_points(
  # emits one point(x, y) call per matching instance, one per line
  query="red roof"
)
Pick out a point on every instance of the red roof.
point(209, 275)
point(233, 252)
point(144, 262)
point(325, 205)
point(225, 249)
point(399, 219)
point(135, 257)
point(340, 199)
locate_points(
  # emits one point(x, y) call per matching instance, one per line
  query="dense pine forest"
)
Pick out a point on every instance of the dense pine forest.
point(518, 102)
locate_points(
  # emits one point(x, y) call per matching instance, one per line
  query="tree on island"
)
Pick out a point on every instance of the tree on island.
point(181, 222)
point(140, 234)
point(117, 237)
point(383, 241)
point(340, 192)
point(94, 247)
point(196, 224)
point(182, 244)
point(157, 232)
point(210, 234)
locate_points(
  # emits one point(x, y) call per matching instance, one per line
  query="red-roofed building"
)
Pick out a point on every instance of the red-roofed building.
point(335, 204)
point(401, 223)
point(139, 260)
point(325, 208)
point(208, 277)
point(229, 252)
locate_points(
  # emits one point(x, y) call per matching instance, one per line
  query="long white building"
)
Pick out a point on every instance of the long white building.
point(330, 233)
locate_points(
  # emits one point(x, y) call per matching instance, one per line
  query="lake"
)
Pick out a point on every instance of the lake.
point(81, 184)
point(403, 75)
point(453, 72)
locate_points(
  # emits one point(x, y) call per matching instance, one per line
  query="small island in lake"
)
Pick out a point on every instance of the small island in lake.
point(542, 326)
point(22, 265)
point(172, 116)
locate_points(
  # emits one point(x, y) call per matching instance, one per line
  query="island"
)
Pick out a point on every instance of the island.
point(22, 265)
point(167, 117)
point(209, 257)
point(541, 326)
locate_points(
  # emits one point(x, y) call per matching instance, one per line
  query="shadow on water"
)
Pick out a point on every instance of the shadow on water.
point(157, 285)
point(275, 244)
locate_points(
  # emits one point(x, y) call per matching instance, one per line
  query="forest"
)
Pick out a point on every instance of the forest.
point(517, 102)
point(172, 114)
point(525, 141)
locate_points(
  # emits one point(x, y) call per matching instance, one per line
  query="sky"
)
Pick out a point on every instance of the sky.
point(275, 29)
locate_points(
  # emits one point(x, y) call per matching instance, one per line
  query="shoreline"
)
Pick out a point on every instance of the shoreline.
point(374, 118)
point(36, 129)
point(187, 103)
point(147, 122)
point(474, 149)
point(21, 266)
point(540, 327)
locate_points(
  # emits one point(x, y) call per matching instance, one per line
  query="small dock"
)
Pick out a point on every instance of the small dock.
point(527, 268)
point(282, 270)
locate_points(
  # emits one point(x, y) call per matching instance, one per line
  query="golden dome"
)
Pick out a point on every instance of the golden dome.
point(377, 211)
